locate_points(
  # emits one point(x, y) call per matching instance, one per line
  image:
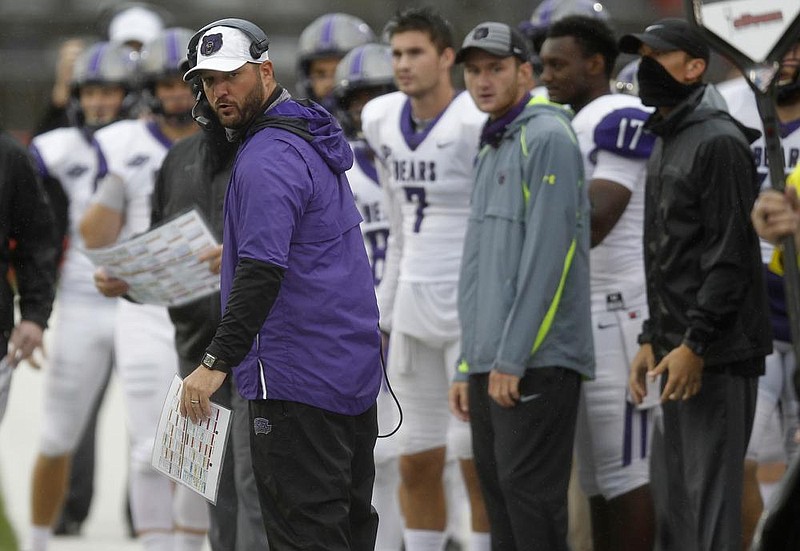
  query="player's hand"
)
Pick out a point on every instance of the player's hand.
point(213, 256)
point(458, 398)
point(25, 338)
point(109, 286)
point(642, 363)
point(685, 373)
point(196, 391)
point(503, 388)
point(775, 214)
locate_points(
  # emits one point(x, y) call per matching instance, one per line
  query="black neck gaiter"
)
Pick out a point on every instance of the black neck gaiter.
point(657, 88)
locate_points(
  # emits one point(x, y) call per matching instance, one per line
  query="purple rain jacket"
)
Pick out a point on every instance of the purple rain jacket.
point(289, 205)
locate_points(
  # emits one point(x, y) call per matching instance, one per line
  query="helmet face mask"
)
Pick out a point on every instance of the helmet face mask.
point(627, 81)
point(329, 36)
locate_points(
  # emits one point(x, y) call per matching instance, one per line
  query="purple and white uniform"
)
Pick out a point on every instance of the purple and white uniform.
point(612, 437)
point(427, 177)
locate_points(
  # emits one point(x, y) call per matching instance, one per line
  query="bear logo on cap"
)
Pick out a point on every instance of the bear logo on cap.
point(480, 32)
point(211, 43)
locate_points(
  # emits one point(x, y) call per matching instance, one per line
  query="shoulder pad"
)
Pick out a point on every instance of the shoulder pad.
point(622, 132)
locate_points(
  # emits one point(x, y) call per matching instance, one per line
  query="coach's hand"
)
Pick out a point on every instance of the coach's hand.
point(109, 286)
point(685, 373)
point(458, 398)
point(642, 364)
point(503, 388)
point(196, 391)
point(213, 257)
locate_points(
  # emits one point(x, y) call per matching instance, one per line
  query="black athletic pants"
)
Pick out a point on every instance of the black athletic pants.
point(315, 471)
point(697, 464)
point(523, 455)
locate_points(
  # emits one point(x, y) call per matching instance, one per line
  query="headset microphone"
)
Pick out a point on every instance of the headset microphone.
point(200, 110)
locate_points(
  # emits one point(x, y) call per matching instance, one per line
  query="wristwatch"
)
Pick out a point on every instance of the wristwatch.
point(212, 362)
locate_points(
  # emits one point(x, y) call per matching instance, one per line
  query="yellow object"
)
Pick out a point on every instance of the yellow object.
point(776, 262)
point(793, 179)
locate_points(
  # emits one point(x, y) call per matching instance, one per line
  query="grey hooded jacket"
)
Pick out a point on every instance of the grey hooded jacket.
point(524, 299)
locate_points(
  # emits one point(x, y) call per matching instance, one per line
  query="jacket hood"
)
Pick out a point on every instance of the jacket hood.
point(704, 104)
point(314, 124)
point(535, 107)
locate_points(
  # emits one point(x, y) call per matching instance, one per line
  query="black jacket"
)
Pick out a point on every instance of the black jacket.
point(26, 218)
point(705, 281)
point(195, 173)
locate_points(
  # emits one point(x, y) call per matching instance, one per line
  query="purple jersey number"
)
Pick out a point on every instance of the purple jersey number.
point(417, 195)
point(376, 241)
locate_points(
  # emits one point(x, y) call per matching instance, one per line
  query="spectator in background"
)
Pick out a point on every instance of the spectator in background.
point(135, 25)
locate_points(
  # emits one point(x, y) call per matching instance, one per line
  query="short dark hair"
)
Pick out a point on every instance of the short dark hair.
point(425, 19)
point(593, 36)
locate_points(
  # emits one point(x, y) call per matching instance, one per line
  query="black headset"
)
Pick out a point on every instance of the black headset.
point(201, 112)
point(259, 39)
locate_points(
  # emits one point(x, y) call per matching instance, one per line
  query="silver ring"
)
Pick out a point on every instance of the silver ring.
point(194, 401)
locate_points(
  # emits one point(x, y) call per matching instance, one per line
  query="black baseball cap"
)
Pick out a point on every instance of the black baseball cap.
point(667, 34)
point(497, 39)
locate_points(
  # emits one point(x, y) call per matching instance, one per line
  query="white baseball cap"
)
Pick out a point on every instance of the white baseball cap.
point(223, 49)
point(135, 23)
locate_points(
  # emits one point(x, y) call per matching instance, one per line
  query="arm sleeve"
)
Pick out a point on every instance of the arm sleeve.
point(554, 172)
point(728, 191)
point(33, 228)
point(254, 290)
point(387, 290)
point(625, 171)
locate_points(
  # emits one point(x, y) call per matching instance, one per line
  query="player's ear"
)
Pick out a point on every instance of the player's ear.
point(596, 64)
point(694, 69)
point(525, 70)
point(448, 56)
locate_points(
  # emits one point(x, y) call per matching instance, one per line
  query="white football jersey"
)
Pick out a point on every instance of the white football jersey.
point(133, 150)
point(427, 178)
point(364, 181)
point(67, 155)
point(742, 105)
point(615, 147)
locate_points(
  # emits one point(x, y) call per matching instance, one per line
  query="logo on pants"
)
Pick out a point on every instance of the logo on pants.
point(261, 426)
